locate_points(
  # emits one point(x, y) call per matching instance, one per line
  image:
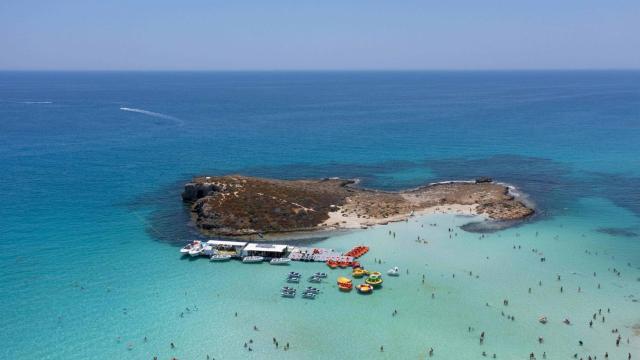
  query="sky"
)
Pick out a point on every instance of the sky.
point(319, 35)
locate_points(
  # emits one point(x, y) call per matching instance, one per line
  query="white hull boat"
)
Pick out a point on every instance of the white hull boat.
point(193, 248)
point(309, 295)
point(252, 259)
point(220, 257)
point(394, 272)
point(196, 244)
point(280, 261)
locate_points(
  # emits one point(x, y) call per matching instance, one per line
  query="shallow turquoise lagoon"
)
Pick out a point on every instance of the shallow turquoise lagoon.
point(91, 219)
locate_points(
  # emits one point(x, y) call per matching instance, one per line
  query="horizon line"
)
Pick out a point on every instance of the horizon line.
point(326, 70)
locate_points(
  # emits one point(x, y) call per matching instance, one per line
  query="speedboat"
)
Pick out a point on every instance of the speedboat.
point(394, 272)
point(220, 257)
point(312, 289)
point(315, 279)
point(543, 319)
point(320, 274)
point(185, 250)
point(252, 259)
point(286, 288)
point(293, 279)
point(196, 249)
point(280, 261)
point(296, 274)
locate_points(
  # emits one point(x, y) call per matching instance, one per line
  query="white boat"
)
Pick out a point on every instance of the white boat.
point(309, 295)
point(220, 257)
point(543, 319)
point(187, 248)
point(320, 275)
point(196, 248)
point(252, 259)
point(394, 272)
point(280, 261)
point(288, 292)
point(208, 250)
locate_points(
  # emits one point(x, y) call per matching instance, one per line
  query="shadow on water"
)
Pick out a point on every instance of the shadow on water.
point(552, 186)
point(621, 232)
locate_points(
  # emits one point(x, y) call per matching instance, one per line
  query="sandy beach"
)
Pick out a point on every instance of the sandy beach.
point(341, 219)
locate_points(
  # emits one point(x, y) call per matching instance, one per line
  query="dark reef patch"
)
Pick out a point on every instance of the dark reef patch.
point(553, 186)
point(164, 219)
point(621, 232)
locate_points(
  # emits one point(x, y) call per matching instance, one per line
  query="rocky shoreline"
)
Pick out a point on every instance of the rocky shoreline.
point(242, 206)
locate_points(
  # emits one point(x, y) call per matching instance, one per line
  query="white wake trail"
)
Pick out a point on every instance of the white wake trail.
point(154, 114)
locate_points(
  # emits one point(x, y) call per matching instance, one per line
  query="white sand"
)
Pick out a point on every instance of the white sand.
point(339, 220)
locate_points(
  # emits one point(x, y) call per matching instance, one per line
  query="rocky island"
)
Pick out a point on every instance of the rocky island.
point(242, 206)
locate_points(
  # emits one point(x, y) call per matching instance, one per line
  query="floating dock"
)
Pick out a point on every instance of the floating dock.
point(239, 249)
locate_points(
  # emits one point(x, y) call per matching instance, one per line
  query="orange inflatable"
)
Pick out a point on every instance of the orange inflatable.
point(357, 251)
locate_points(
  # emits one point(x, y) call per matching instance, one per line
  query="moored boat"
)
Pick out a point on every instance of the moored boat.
point(220, 257)
point(252, 259)
point(280, 261)
point(309, 295)
point(195, 244)
point(196, 249)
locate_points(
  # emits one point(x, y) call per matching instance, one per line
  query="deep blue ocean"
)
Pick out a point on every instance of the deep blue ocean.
point(92, 165)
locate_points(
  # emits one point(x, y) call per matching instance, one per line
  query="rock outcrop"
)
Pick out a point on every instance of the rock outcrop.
point(240, 205)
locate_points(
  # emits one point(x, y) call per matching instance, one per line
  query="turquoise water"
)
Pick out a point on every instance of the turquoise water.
point(91, 216)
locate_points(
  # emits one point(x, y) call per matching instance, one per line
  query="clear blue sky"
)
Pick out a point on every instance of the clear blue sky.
point(323, 34)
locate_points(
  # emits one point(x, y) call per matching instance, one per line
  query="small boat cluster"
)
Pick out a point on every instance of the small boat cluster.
point(372, 281)
point(253, 253)
point(309, 292)
point(220, 250)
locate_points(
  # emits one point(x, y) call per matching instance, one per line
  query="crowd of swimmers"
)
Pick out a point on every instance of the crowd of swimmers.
point(597, 317)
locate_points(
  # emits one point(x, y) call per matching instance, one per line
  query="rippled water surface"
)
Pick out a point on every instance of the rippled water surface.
point(90, 219)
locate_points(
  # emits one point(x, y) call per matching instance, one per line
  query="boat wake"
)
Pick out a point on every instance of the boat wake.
point(154, 114)
point(36, 102)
